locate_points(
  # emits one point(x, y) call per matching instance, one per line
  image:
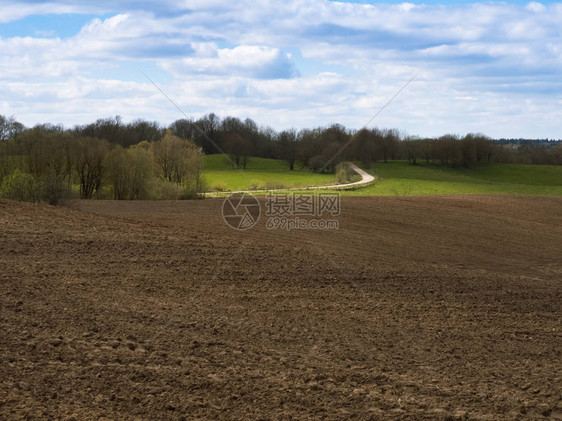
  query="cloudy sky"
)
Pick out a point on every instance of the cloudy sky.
point(487, 67)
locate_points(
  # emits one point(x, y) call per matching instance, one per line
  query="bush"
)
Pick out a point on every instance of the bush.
point(190, 193)
point(164, 190)
point(55, 189)
point(202, 184)
point(344, 173)
point(20, 186)
point(193, 189)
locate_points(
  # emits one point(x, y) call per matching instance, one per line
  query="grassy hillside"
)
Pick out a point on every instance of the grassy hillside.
point(399, 178)
point(395, 178)
point(260, 173)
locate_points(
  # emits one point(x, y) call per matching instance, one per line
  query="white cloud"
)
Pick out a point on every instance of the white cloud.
point(245, 60)
point(12, 11)
point(536, 7)
point(491, 67)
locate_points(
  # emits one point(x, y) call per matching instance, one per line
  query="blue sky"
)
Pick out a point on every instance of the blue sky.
point(491, 67)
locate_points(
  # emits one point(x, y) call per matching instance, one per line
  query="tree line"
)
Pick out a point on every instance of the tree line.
point(45, 163)
point(315, 148)
point(143, 159)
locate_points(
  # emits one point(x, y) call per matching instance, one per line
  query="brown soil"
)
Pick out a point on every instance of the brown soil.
point(433, 307)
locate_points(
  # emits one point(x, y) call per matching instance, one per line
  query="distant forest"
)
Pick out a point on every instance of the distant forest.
point(143, 159)
point(245, 138)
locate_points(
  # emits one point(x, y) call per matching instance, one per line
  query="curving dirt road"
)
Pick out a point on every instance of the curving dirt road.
point(366, 178)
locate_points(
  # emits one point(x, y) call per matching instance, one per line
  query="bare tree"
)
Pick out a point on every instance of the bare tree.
point(163, 152)
point(129, 172)
point(364, 147)
point(178, 159)
point(89, 159)
point(287, 144)
point(239, 149)
point(141, 171)
point(412, 149)
point(388, 145)
point(426, 149)
point(10, 128)
point(118, 172)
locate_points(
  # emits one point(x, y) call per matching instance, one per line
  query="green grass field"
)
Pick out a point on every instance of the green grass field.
point(260, 173)
point(400, 179)
point(395, 178)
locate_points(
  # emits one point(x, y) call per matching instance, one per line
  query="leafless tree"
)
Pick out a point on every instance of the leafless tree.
point(89, 159)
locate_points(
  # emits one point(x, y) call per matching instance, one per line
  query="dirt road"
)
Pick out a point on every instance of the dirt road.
point(366, 178)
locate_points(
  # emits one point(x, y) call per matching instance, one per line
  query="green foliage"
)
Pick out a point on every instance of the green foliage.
point(129, 172)
point(141, 172)
point(189, 193)
point(21, 186)
point(344, 174)
point(46, 156)
point(179, 160)
point(163, 190)
point(53, 162)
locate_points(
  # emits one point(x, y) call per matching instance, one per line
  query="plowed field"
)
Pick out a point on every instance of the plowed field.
point(416, 307)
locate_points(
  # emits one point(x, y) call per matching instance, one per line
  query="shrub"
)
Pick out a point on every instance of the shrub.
point(164, 190)
point(190, 193)
point(192, 190)
point(20, 186)
point(344, 173)
point(55, 189)
point(202, 185)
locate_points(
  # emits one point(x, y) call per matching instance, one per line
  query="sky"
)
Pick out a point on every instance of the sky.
point(490, 67)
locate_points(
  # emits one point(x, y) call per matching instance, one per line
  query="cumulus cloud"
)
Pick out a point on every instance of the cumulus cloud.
point(258, 62)
point(491, 67)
